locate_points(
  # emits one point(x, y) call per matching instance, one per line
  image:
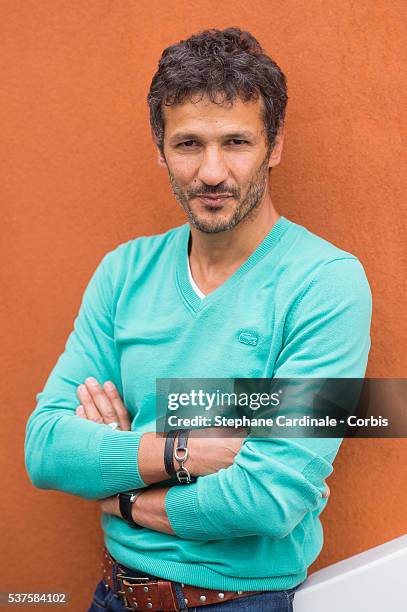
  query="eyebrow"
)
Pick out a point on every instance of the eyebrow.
point(238, 135)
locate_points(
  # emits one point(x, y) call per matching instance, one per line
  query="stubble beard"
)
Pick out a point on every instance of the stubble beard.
point(247, 208)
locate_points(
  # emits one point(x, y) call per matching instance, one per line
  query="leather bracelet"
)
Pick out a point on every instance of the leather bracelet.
point(126, 501)
point(169, 452)
point(181, 455)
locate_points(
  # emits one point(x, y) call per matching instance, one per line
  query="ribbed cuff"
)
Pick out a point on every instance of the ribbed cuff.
point(119, 461)
point(182, 511)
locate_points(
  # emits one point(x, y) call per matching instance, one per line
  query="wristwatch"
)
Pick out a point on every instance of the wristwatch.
point(126, 501)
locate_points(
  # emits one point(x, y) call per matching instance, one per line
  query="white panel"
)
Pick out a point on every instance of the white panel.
point(372, 581)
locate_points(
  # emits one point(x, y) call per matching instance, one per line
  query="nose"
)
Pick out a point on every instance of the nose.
point(212, 169)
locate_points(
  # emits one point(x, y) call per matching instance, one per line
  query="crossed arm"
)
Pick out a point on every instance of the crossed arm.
point(102, 404)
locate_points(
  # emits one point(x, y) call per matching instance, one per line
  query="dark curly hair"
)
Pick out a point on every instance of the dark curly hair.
point(222, 65)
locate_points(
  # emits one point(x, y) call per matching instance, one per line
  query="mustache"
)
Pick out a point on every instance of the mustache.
point(214, 190)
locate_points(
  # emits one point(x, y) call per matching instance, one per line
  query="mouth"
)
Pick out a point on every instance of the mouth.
point(214, 200)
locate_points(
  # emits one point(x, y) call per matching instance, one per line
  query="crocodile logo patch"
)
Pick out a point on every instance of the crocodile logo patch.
point(248, 338)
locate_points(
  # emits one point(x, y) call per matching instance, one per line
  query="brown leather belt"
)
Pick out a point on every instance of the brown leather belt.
point(148, 594)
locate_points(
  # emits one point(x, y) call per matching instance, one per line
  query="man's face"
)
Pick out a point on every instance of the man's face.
point(217, 158)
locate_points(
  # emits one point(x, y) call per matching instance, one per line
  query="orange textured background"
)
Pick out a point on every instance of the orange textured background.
point(79, 176)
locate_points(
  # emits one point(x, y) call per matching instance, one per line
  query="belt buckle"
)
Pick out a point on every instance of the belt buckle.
point(135, 580)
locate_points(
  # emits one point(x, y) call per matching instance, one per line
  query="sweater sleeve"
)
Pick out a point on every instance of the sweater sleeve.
point(274, 483)
point(63, 451)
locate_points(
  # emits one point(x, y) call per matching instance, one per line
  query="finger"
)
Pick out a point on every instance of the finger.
point(120, 408)
point(110, 505)
point(327, 492)
point(80, 411)
point(91, 412)
point(101, 401)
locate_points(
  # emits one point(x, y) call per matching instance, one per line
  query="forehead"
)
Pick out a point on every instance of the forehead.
point(202, 116)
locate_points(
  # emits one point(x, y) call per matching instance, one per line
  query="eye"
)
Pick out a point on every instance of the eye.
point(238, 141)
point(187, 144)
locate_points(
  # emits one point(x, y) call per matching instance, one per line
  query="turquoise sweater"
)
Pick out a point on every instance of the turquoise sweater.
point(256, 524)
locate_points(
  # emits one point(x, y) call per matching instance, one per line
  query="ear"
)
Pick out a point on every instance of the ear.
point(275, 155)
point(161, 159)
point(160, 156)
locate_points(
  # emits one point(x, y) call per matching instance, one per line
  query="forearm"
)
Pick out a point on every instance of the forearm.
point(186, 512)
point(207, 454)
point(149, 510)
point(272, 502)
point(89, 459)
point(69, 454)
point(151, 458)
point(66, 453)
point(260, 494)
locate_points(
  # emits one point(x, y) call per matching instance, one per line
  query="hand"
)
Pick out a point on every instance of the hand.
point(102, 404)
point(210, 451)
point(327, 492)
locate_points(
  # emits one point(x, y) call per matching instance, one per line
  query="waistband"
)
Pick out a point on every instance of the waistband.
point(146, 593)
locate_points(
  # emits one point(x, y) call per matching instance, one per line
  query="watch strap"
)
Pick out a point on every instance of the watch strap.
point(126, 501)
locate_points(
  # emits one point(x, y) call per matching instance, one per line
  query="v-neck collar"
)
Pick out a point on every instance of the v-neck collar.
point(192, 300)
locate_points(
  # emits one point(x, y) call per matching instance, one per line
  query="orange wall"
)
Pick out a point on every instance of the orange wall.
point(79, 176)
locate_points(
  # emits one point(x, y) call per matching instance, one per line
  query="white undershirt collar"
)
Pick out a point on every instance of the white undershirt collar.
point(193, 283)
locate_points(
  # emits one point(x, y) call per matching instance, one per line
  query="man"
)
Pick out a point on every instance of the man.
point(237, 292)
